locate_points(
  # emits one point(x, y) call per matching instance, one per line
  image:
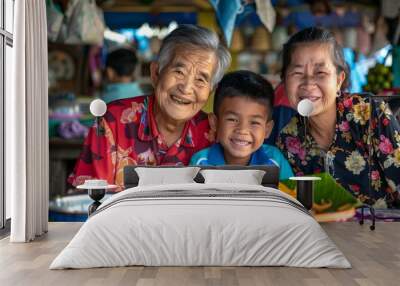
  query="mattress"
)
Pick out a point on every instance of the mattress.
point(201, 225)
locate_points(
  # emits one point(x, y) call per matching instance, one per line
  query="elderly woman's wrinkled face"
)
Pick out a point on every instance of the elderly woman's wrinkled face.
point(312, 74)
point(183, 86)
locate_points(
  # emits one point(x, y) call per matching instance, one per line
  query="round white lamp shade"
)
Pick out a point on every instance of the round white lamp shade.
point(98, 107)
point(305, 107)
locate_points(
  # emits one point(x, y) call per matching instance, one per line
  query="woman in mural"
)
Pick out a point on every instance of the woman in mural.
point(167, 127)
point(352, 136)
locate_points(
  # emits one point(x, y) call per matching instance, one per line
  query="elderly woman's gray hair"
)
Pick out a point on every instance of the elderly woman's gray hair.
point(191, 35)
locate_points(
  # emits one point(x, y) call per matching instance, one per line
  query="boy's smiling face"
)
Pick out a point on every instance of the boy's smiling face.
point(241, 127)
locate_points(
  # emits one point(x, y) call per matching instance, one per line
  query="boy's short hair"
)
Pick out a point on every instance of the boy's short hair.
point(123, 61)
point(245, 84)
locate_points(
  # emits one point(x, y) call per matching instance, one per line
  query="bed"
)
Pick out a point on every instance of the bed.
point(201, 224)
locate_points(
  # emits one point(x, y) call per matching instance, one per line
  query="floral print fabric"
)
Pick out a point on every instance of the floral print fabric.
point(360, 147)
point(131, 137)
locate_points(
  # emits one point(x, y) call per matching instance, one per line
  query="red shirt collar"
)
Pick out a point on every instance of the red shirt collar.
point(148, 129)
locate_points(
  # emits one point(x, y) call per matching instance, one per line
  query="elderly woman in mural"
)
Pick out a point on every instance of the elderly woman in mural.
point(351, 136)
point(167, 127)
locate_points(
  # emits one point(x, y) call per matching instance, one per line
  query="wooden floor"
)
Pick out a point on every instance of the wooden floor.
point(375, 256)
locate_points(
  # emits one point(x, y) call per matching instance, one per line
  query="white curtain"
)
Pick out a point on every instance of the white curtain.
point(27, 154)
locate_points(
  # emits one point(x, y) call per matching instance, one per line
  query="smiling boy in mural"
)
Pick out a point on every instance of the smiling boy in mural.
point(242, 120)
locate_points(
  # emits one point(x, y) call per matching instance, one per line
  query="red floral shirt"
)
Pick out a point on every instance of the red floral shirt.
point(131, 137)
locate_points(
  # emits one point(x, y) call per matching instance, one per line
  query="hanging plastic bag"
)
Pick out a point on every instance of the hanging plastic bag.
point(54, 20)
point(83, 23)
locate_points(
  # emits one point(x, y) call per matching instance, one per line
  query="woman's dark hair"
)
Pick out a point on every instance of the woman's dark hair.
point(123, 61)
point(315, 35)
point(245, 84)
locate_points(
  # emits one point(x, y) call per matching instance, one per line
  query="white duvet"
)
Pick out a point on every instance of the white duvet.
point(200, 224)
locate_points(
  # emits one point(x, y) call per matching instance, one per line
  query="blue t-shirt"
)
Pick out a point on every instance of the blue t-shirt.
point(265, 155)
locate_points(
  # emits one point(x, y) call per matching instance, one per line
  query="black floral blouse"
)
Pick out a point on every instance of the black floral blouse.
point(355, 152)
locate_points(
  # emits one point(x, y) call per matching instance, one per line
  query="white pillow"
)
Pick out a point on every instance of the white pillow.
point(163, 176)
point(249, 177)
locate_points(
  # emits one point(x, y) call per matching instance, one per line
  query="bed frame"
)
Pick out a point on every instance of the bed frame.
point(270, 179)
